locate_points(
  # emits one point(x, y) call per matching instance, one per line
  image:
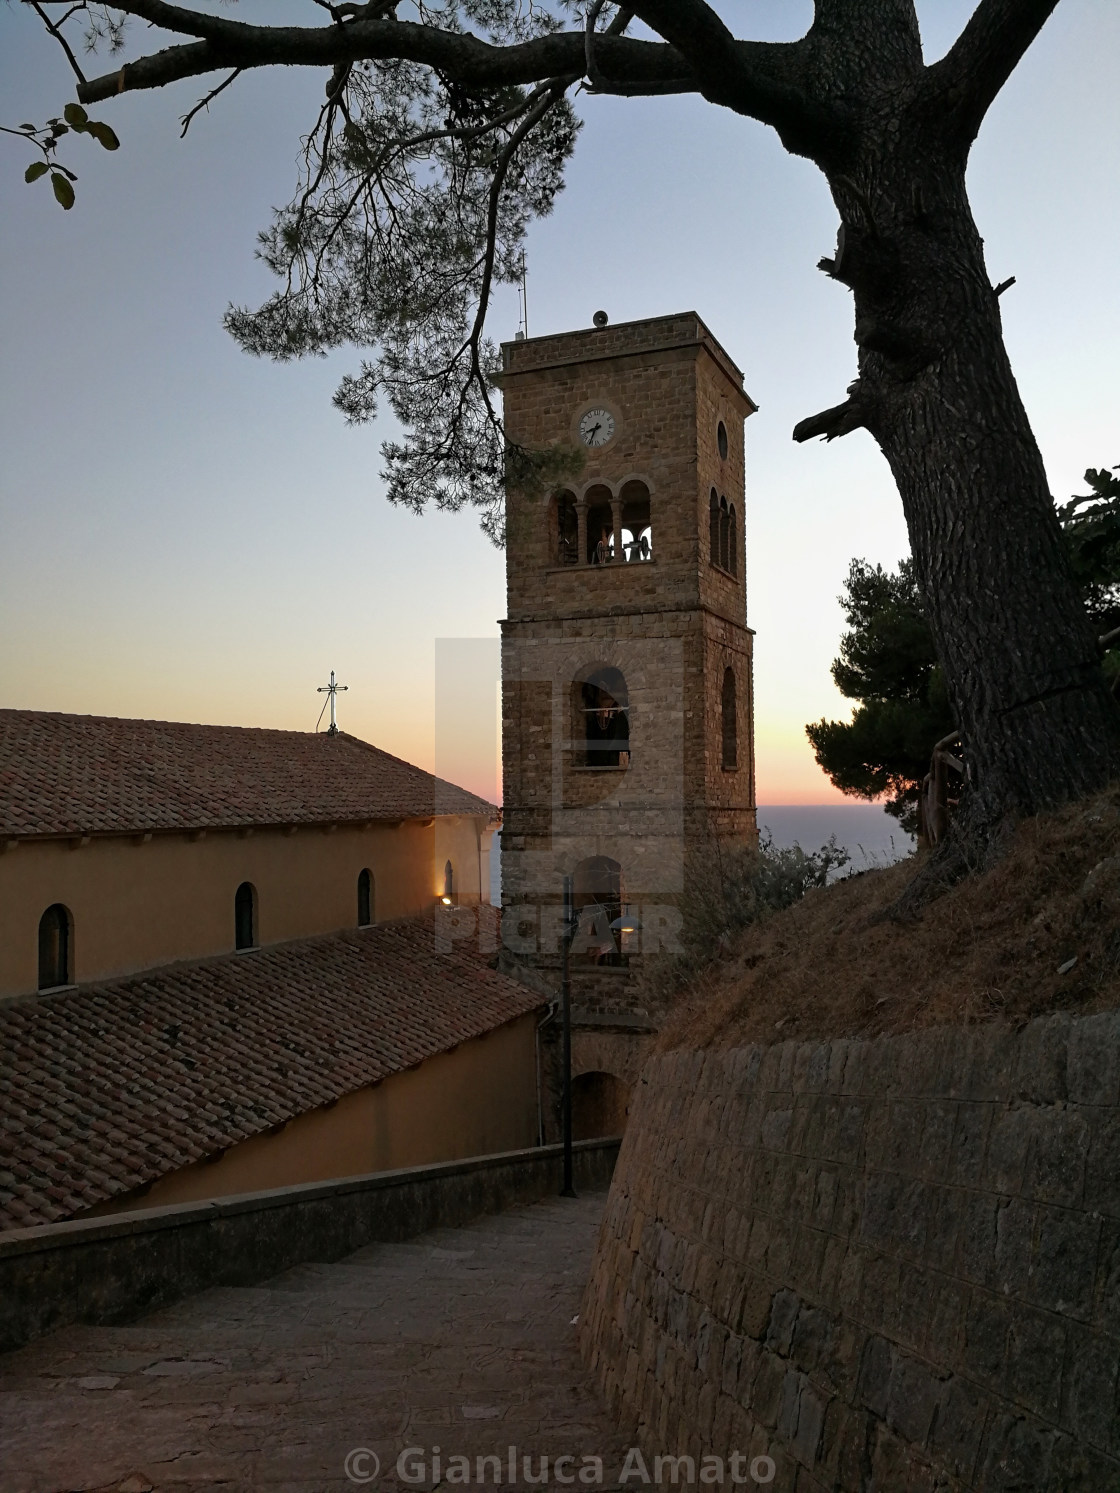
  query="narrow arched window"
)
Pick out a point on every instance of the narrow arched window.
point(724, 533)
point(365, 898)
point(448, 883)
point(601, 718)
point(713, 527)
point(730, 730)
point(54, 948)
point(637, 530)
point(245, 916)
point(732, 543)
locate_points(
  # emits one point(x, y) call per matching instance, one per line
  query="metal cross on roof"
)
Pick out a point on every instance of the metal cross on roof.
point(332, 690)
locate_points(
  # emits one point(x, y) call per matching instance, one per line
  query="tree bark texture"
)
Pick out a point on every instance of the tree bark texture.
point(937, 392)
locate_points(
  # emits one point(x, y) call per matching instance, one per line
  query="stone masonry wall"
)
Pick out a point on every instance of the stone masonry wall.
point(888, 1265)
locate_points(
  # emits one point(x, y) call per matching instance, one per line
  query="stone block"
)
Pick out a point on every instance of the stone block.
point(905, 1126)
point(958, 1428)
point(936, 1153)
point(850, 1290)
point(1009, 1141)
point(838, 1053)
point(1089, 1388)
point(777, 1123)
point(876, 1363)
point(1036, 1351)
point(824, 1197)
point(754, 1319)
point(969, 1143)
point(1093, 1059)
point(913, 1307)
point(943, 1222)
point(810, 1424)
point(987, 1324)
point(1042, 1060)
point(835, 1251)
point(779, 1250)
point(913, 1396)
point(990, 1061)
point(879, 1297)
point(1106, 1291)
point(851, 1123)
point(1055, 1171)
point(784, 1308)
point(788, 1404)
point(1063, 1270)
point(787, 1057)
point(1016, 1454)
point(766, 1389)
point(1011, 1258)
point(812, 1337)
point(1102, 1170)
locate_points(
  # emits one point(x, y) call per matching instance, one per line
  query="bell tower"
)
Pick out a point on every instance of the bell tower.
point(627, 699)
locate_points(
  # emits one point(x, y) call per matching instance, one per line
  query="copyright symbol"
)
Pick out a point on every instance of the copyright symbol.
point(361, 1465)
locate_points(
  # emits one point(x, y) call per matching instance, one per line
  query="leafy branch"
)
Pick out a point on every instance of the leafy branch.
point(45, 139)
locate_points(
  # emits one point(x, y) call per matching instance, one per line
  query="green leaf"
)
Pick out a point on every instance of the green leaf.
point(58, 130)
point(35, 170)
point(70, 175)
point(75, 116)
point(63, 191)
point(30, 128)
point(104, 135)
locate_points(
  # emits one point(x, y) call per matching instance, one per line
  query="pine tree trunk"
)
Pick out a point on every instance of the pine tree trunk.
point(937, 392)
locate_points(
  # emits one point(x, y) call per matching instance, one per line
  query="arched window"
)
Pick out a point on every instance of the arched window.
point(245, 916)
point(565, 539)
point(732, 543)
point(600, 526)
point(637, 530)
point(54, 948)
point(365, 898)
point(729, 721)
point(713, 527)
point(601, 724)
point(448, 883)
point(597, 900)
point(721, 440)
point(724, 534)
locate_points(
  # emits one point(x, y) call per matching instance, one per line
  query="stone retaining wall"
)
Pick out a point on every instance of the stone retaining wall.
point(112, 1269)
point(887, 1265)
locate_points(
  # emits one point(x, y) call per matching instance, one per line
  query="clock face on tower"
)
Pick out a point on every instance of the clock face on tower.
point(596, 427)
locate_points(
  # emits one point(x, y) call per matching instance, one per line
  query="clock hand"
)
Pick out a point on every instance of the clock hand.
point(594, 431)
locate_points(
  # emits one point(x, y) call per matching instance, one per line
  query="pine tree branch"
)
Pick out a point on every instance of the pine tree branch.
point(841, 419)
point(461, 57)
point(762, 80)
point(962, 86)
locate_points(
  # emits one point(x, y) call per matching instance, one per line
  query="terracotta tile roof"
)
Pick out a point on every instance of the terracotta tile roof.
point(91, 774)
point(113, 1085)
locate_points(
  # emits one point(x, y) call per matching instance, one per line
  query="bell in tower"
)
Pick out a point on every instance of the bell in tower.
point(627, 710)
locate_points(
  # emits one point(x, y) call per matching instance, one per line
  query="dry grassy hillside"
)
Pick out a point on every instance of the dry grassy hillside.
point(1039, 932)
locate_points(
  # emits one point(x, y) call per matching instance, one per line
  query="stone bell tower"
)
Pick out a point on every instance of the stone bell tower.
point(627, 708)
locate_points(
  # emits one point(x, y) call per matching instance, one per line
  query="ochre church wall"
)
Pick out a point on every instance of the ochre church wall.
point(888, 1265)
point(135, 904)
point(478, 1099)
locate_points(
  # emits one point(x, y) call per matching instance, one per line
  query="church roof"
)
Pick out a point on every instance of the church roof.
point(114, 1085)
point(92, 774)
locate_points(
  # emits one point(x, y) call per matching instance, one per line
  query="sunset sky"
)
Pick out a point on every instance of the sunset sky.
point(188, 533)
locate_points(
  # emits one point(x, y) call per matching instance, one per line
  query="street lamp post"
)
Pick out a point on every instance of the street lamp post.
point(566, 930)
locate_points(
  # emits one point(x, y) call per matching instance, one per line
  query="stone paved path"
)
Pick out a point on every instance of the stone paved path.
point(460, 1339)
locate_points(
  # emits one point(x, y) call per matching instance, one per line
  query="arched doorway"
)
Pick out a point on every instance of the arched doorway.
point(600, 1102)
